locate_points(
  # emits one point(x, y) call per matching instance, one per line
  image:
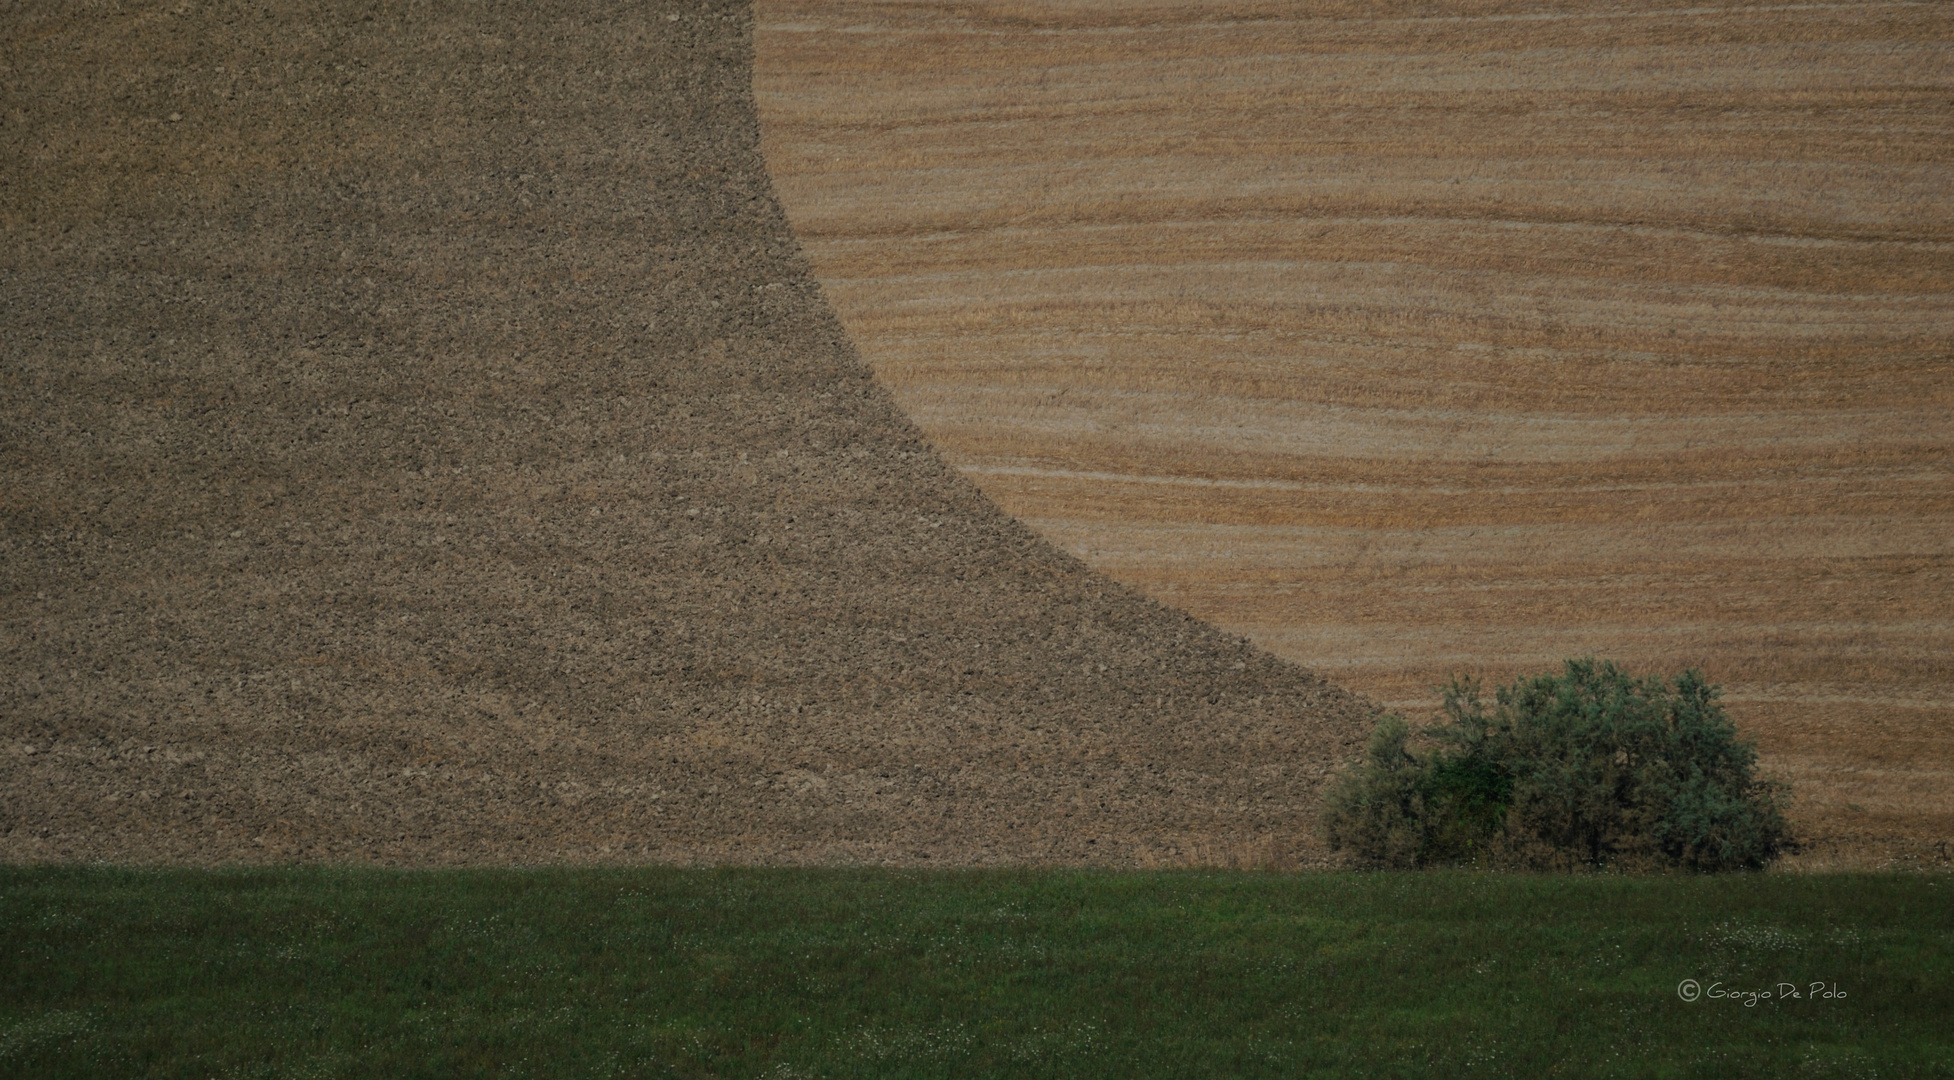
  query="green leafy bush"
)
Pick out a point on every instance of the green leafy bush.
point(1589, 768)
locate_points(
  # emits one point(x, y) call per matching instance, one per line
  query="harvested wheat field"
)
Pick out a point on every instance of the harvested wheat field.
point(424, 445)
point(1456, 338)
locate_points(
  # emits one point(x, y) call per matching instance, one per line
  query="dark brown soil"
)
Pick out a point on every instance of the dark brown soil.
point(423, 444)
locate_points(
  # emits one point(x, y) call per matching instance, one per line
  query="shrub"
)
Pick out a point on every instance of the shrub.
point(1589, 768)
point(1378, 809)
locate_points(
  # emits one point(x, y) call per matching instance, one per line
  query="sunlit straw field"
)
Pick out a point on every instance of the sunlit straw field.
point(1458, 338)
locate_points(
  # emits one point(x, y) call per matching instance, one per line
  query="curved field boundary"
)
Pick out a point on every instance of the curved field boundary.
point(1458, 341)
point(423, 444)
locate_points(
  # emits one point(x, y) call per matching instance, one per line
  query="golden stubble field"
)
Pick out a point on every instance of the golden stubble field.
point(1458, 338)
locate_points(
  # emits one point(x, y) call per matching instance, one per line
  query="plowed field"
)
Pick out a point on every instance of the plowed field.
point(422, 444)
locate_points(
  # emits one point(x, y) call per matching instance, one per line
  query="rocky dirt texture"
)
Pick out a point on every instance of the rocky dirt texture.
point(1448, 337)
point(424, 444)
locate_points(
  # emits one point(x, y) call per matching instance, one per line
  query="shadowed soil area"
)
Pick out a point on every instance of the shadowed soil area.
point(424, 444)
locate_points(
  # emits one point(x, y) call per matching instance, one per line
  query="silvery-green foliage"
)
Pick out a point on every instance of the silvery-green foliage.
point(1590, 767)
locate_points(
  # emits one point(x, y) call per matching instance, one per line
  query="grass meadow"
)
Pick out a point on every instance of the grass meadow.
point(661, 972)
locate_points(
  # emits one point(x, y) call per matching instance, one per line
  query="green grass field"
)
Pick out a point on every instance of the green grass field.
point(867, 973)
